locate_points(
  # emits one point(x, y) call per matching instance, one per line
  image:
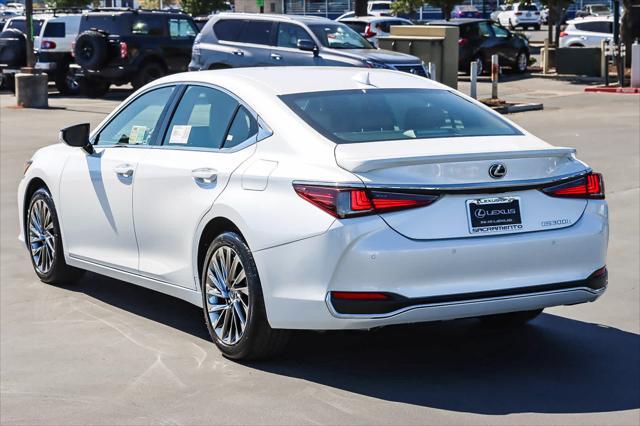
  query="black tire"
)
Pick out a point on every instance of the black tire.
point(258, 340)
point(91, 49)
point(58, 272)
point(66, 81)
point(93, 87)
point(9, 83)
point(13, 50)
point(536, 27)
point(511, 319)
point(148, 72)
point(521, 67)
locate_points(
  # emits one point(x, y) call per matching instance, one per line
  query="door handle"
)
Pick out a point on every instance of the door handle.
point(124, 170)
point(276, 57)
point(205, 175)
point(238, 52)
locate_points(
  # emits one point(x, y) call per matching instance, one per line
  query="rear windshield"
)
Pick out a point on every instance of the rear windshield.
point(111, 23)
point(339, 36)
point(532, 7)
point(21, 24)
point(380, 6)
point(54, 29)
point(358, 27)
point(352, 116)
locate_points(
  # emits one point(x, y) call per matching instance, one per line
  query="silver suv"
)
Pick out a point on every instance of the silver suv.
point(231, 40)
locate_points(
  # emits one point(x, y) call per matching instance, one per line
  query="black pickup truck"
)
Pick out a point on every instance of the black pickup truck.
point(131, 46)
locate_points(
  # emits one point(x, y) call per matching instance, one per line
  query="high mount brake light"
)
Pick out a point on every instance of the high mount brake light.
point(590, 186)
point(344, 202)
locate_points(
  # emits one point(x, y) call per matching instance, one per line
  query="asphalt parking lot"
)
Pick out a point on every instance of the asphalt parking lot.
point(105, 352)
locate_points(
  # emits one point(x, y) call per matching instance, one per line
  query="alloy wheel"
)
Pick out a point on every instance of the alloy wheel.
point(522, 62)
point(227, 295)
point(41, 236)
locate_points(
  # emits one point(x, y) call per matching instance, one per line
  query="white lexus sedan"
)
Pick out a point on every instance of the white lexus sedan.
point(317, 198)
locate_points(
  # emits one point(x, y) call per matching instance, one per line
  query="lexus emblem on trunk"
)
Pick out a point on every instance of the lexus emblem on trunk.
point(497, 170)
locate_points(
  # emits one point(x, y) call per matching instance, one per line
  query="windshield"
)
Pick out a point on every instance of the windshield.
point(352, 116)
point(21, 24)
point(339, 36)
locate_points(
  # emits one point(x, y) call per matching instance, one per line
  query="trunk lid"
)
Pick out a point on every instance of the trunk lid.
point(472, 203)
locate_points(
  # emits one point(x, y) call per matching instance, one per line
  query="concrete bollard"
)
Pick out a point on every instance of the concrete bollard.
point(635, 64)
point(474, 80)
point(495, 72)
point(545, 57)
point(32, 90)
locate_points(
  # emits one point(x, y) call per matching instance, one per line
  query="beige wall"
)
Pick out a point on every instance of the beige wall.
point(249, 6)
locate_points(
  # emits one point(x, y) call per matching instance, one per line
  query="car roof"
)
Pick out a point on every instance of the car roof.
point(373, 18)
point(247, 82)
point(274, 17)
point(590, 19)
point(457, 22)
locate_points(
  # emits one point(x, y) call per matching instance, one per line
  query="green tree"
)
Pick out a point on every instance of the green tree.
point(64, 4)
point(202, 7)
point(411, 6)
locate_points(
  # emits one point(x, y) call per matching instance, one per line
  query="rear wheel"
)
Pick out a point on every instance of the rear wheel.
point(66, 81)
point(149, 72)
point(511, 319)
point(522, 62)
point(93, 87)
point(45, 242)
point(480, 62)
point(233, 304)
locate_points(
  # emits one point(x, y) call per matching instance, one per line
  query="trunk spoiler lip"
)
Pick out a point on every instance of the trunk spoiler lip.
point(465, 188)
point(359, 165)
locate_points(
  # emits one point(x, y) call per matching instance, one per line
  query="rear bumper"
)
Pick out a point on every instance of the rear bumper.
point(435, 279)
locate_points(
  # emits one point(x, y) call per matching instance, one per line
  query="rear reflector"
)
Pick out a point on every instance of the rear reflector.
point(590, 186)
point(344, 202)
point(358, 295)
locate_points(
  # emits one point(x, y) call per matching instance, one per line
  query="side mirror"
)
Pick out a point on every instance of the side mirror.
point(308, 46)
point(77, 136)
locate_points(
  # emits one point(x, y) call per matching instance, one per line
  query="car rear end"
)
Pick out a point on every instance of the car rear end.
point(53, 48)
point(526, 15)
point(452, 212)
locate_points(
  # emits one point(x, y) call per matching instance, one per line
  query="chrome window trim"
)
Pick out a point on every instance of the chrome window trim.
point(264, 130)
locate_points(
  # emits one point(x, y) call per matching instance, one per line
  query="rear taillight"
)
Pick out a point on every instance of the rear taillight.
point(47, 44)
point(368, 33)
point(463, 41)
point(124, 50)
point(563, 34)
point(344, 202)
point(518, 13)
point(590, 186)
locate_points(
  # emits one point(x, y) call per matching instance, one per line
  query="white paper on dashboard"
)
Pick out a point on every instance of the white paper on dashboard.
point(180, 134)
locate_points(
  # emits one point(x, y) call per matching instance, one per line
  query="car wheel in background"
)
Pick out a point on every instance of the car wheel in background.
point(511, 319)
point(232, 302)
point(93, 87)
point(147, 73)
point(42, 233)
point(481, 67)
point(66, 81)
point(536, 27)
point(522, 62)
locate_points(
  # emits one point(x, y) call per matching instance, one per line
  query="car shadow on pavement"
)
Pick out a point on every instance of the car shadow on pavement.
point(552, 365)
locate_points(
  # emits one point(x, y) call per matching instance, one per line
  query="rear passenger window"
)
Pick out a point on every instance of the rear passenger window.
point(228, 29)
point(181, 28)
point(256, 32)
point(54, 29)
point(149, 25)
point(243, 127)
point(290, 34)
point(201, 119)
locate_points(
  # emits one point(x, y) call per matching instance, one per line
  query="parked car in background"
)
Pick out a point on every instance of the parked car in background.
point(13, 51)
point(594, 10)
point(235, 40)
point(54, 48)
point(131, 46)
point(372, 27)
point(6, 14)
point(274, 200)
point(544, 15)
point(481, 38)
point(587, 32)
point(520, 15)
point(465, 11)
point(200, 21)
point(494, 15)
point(380, 8)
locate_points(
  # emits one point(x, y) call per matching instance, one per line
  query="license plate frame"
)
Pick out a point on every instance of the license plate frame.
point(494, 215)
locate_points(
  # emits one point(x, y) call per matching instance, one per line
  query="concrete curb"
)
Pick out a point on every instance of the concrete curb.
point(510, 109)
point(613, 89)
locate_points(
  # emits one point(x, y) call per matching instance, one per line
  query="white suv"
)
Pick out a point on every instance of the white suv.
point(587, 32)
point(520, 15)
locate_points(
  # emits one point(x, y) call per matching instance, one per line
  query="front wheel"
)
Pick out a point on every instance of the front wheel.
point(45, 243)
point(93, 87)
point(149, 72)
point(233, 304)
point(522, 62)
point(511, 319)
point(66, 81)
